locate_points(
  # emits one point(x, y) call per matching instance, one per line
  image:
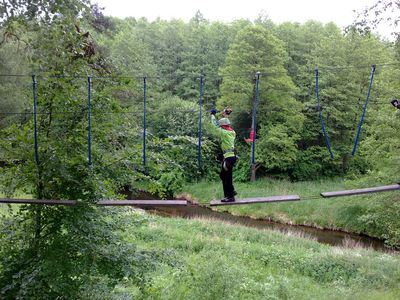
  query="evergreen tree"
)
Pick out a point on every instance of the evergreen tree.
point(279, 118)
point(343, 89)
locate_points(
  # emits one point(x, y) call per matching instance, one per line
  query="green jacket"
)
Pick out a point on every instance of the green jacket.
point(227, 138)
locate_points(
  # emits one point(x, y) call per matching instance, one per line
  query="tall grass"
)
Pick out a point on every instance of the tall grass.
point(375, 215)
point(208, 259)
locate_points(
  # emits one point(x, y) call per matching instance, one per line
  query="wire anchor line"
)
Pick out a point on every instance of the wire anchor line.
point(89, 80)
point(200, 121)
point(328, 144)
point(254, 118)
point(144, 118)
point(35, 134)
point(371, 80)
point(196, 75)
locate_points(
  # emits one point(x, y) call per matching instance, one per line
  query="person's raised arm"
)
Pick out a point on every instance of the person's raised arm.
point(214, 121)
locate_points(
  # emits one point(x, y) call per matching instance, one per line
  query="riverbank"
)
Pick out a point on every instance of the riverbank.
point(375, 215)
point(176, 258)
point(209, 259)
point(329, 237)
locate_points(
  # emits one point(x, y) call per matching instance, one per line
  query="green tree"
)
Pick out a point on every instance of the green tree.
point(301, 42)
point(381, 12)
point(206, 45)
point(13, 88)
point(168, 54)
point(164, 41)
point(255, 49)
point(53, 252)
point(343, 90)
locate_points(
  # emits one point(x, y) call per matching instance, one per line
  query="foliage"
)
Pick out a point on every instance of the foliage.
point(174, 117)
point(79, 247)
point(13, 89)
point(381, 12)
point(257, 49)
point(43, 11)
point(383, 219)
point(278, 150)
point(374, 215)
point(382, 143)
point(173, 161)
point(205, 45)
point(173, 55)
point(129, 54)
point(37, 237)
point(309, 163)
point(211, 259)
point(344, 91)
point(243, 165)
point(65, 41)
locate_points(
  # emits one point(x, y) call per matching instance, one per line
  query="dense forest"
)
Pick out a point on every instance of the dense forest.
point(172, 57)
point(74, 88)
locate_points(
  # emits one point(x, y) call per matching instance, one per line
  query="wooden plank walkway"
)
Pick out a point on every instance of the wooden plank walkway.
point(377, 189)
point(36, 201)
point(100, 203)
point(141, 202)
point(282, 198)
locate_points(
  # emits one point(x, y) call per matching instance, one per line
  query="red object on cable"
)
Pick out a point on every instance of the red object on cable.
point(251, 139)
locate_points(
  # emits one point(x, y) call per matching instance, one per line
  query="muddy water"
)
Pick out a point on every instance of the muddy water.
point(331, 237)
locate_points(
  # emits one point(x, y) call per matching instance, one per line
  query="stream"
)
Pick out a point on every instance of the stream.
point(331, 237)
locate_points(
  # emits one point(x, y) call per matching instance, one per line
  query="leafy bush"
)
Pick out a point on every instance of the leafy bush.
point(174, 117)
point(78, 247)
point(326, 267)
point(242, 170)
point(53, 252)
point(383, 219)
point(308, 164)
point(276, 150)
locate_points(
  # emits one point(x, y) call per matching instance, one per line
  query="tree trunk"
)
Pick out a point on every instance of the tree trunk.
point(253, 172)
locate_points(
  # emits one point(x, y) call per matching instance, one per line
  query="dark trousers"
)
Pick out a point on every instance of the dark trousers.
point(226, 176)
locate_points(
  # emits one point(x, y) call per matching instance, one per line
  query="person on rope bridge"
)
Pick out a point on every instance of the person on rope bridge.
point(227, 135)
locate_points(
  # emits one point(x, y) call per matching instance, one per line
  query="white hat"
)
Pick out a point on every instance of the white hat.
point(224, 121)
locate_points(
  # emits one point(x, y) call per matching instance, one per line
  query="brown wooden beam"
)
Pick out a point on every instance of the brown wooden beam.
point(142, 202)
point(281, 198)
point(361, 191)
point(36, 201)
point(101, 203)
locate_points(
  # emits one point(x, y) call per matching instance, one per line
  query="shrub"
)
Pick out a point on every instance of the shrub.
point(78, 247)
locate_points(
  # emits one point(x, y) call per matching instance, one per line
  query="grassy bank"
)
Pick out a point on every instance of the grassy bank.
point(203, 259)
point(208, 259)
point(375, 214)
